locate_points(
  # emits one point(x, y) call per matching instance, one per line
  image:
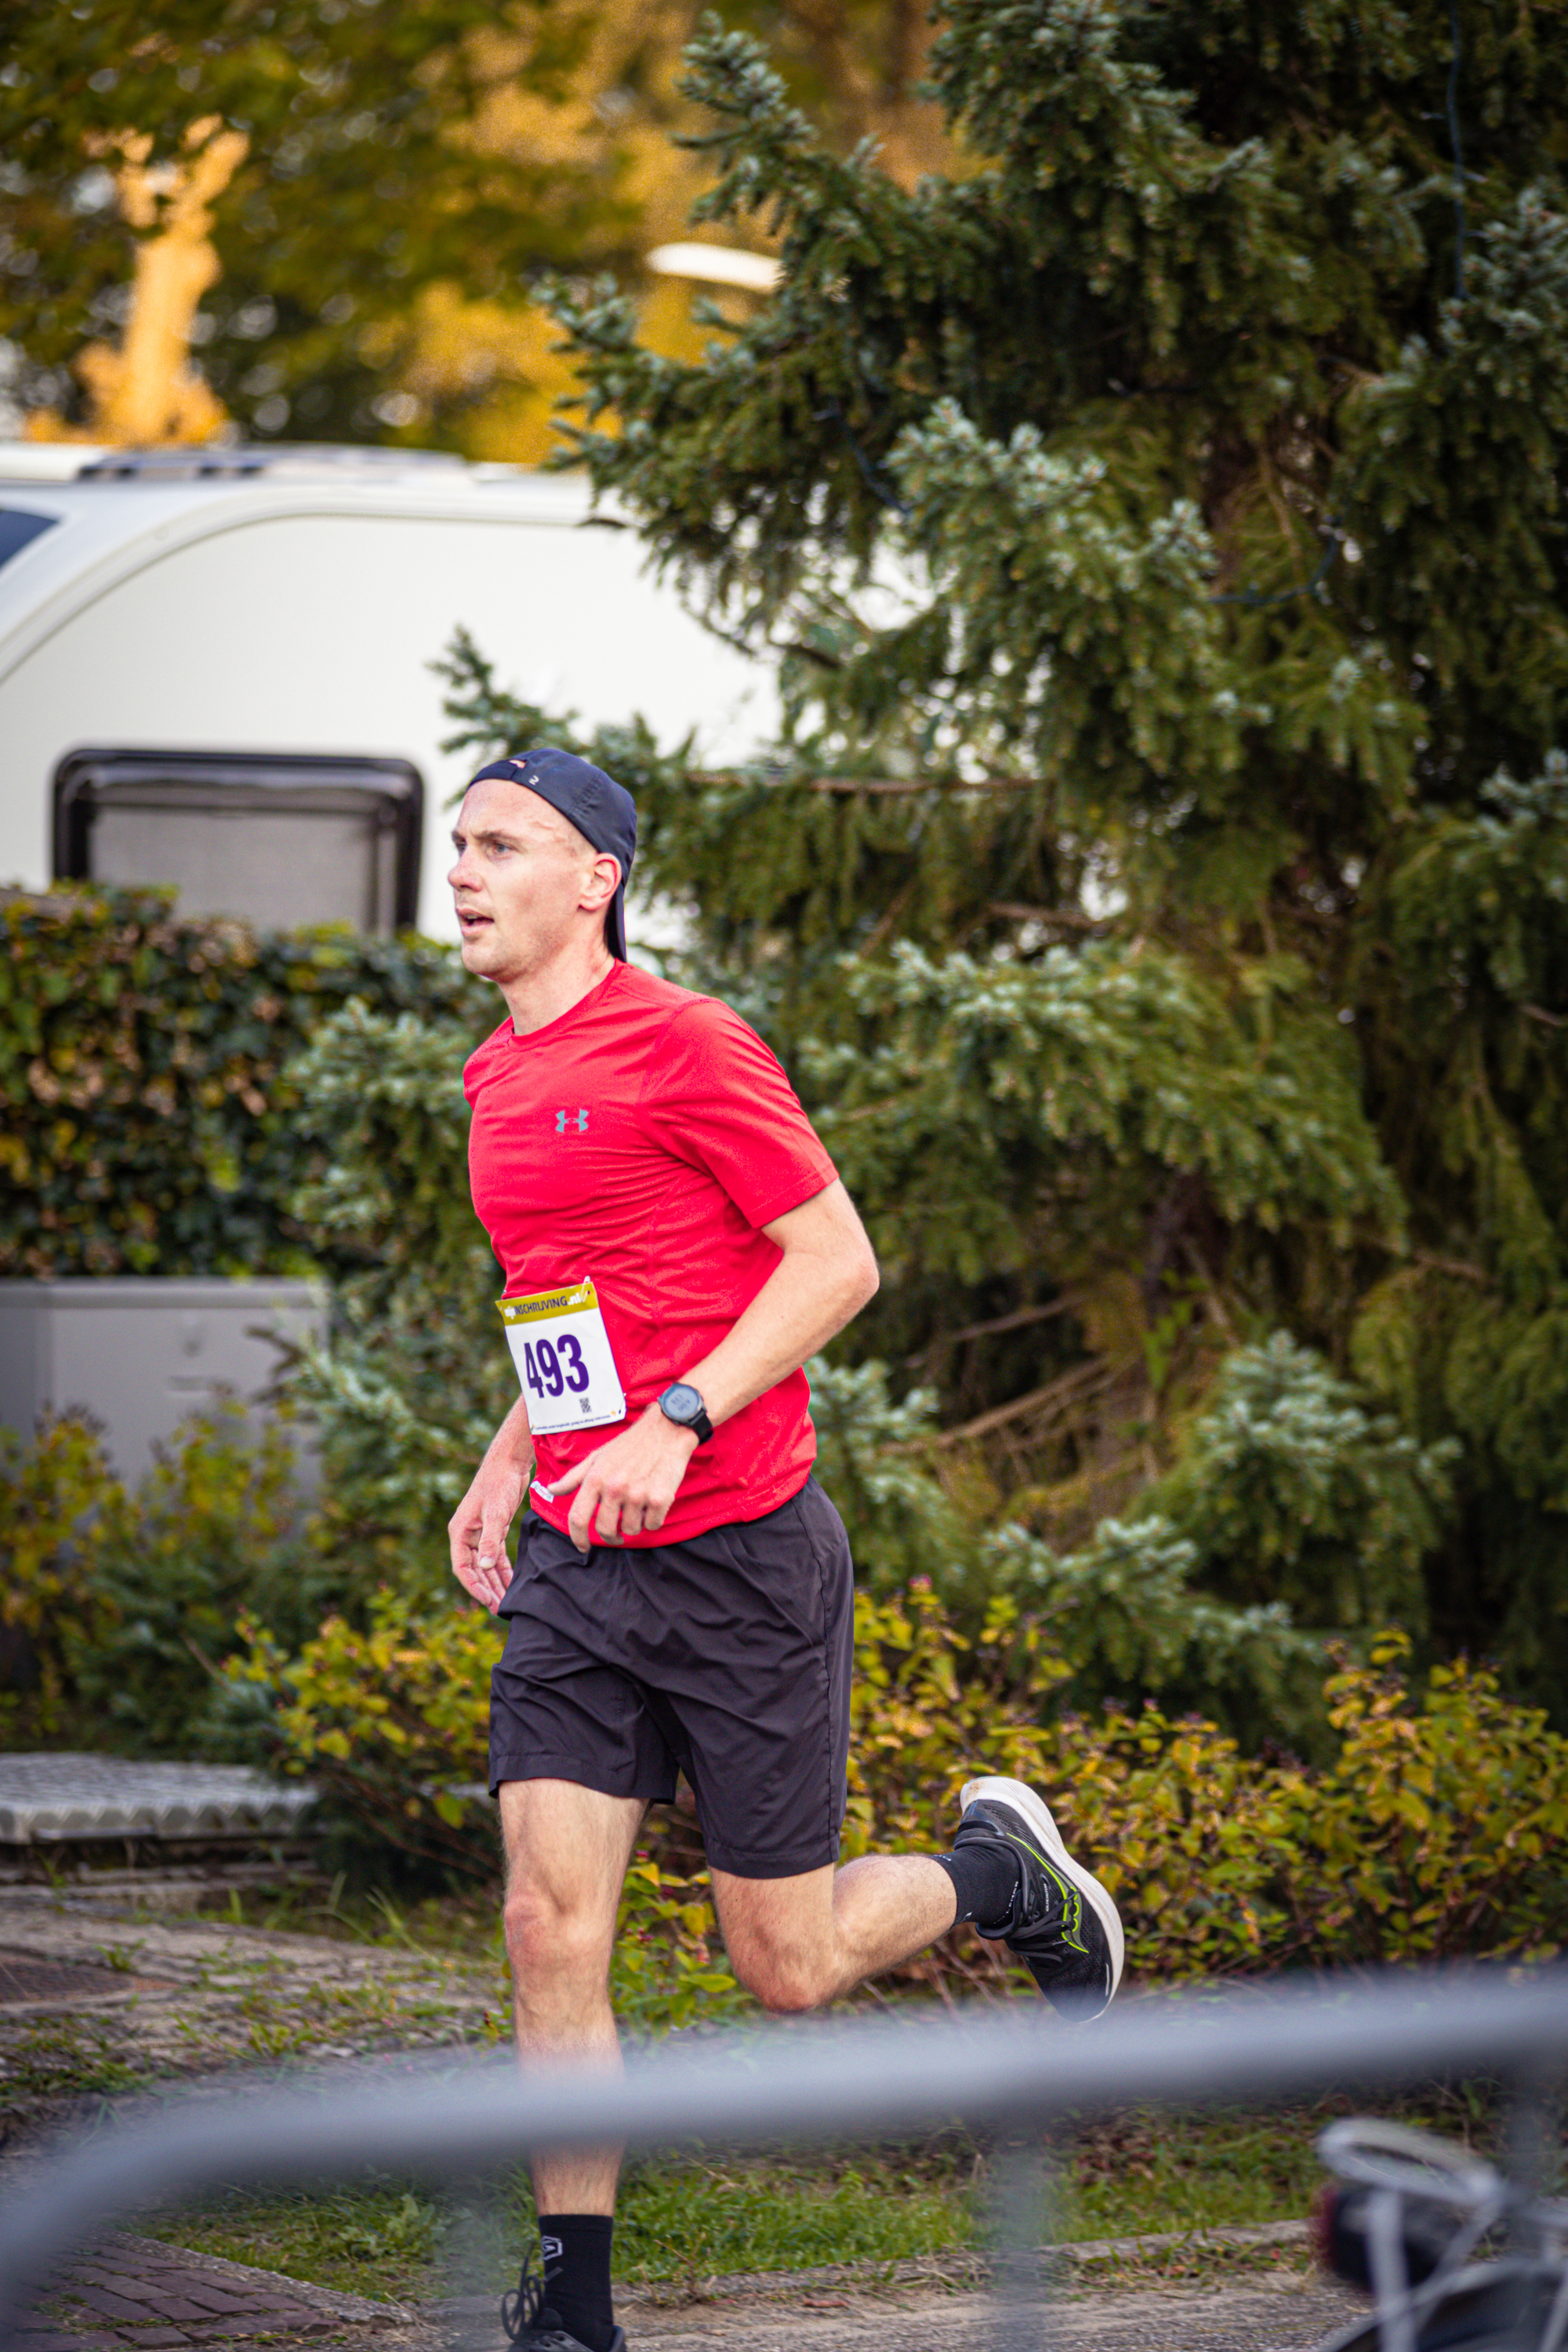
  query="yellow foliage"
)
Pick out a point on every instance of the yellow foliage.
point(607, 107)
point(1434, 1833)
point(53, 1496)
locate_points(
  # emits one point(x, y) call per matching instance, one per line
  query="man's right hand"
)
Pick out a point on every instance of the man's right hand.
point(477, 1529)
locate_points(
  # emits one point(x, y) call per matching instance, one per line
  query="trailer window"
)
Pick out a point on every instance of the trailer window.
point(275, 839)
point(18, 529)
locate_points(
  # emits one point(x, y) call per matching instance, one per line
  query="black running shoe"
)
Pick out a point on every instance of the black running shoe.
point(1063, 1924)
point(530, 2321)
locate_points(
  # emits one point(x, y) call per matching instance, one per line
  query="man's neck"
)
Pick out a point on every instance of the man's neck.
point(543, 996)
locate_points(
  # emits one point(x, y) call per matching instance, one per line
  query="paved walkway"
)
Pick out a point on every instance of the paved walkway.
point(88, 2000)
point(179, 1996)
point(135, 2291)
point(1239, 2319)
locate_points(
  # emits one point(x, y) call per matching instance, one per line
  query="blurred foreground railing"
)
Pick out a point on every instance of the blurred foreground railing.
point(859, 2081)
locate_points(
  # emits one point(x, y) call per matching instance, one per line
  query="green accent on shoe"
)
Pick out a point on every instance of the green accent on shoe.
point(1072, 1898)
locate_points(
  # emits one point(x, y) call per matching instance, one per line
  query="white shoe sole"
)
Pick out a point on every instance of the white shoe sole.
point(1042, 1821)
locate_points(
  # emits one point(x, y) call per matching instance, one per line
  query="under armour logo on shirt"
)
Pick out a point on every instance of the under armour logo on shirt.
point(562, 1116)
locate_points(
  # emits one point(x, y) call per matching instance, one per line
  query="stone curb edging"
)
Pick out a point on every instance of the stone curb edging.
point(1224, 2233)
point(961, 2268)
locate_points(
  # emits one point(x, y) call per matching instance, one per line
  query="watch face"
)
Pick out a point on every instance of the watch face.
point(681, 1402)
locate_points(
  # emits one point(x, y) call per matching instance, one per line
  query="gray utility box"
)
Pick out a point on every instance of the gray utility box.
point(140, 1356)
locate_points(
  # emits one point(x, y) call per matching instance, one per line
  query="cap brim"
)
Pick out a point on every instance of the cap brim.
point(616, 924)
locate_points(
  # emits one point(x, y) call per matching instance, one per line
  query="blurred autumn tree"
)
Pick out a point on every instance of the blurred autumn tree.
point(344, 205)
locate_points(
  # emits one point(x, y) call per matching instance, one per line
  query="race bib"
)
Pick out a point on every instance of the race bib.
point(564, 1360)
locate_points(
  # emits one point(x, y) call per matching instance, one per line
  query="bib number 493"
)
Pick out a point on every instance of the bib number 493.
point(564, 1360)
point(550, 1370)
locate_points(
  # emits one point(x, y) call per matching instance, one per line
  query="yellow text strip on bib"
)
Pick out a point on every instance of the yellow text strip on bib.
point(564, 1360)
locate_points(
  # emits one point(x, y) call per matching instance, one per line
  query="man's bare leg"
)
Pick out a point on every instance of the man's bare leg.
point(567, 1853)
point(798, 1942)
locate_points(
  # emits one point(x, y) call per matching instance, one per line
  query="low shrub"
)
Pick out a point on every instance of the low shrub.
point(191, 1612)
point(1433, 1834)
point(54, 1494)
point(119, 1604)
point(1440, 1831)
point(389, 1719)
point(664, 1972)
point(218, 1525)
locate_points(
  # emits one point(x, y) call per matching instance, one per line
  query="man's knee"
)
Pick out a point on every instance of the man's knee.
point(784, 1978)
point(567, 1853)
point(551, 1937)
point(779, 1933)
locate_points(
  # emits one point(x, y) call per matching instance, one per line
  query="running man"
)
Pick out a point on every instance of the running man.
point(676, 1244)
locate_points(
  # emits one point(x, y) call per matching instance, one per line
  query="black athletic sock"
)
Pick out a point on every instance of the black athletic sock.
point(985, 1876)
point(577, 2249)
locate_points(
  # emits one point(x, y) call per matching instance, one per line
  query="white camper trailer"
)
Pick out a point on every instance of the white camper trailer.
point(215, 665)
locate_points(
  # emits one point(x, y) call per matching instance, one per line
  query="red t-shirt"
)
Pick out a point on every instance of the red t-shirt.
point(640, 1142)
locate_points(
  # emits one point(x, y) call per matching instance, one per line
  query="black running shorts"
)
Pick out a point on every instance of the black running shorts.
point(726, 1657)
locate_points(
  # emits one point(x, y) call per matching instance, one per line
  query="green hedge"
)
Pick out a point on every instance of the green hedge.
point(146, 1130)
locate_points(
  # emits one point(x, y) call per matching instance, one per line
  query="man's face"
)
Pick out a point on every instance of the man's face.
point(519, 881)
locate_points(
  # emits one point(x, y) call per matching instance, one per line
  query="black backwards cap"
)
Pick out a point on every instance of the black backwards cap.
point(602, 810)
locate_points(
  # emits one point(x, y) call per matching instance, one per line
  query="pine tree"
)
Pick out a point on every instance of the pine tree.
point(1160, 891)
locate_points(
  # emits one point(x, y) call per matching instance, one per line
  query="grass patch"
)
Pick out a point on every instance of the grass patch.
point(686, 2221)
point(381, 2242)
point(1132, 2174)
point(1147, 2171)
point(464, 1927)
point(683, 2220)
point(680, 2222)
point(70, 2055)
point(676, 2224)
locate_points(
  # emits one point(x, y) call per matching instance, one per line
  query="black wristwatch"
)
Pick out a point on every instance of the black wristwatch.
point(683, 1405)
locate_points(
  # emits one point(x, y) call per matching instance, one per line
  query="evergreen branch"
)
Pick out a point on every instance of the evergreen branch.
point(765, 145)
point(876, 787)
point(876, 481)
point(1084, 638)
point(1256, 602)
point(989, 1083)
point(1072, 1391)
point(1067, 918)
point(1019, 1319)
point(1458, 152)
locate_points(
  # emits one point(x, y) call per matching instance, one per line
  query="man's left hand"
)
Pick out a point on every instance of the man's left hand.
point(625, 1489)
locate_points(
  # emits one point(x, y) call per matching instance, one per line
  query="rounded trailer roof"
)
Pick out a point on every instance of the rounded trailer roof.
point(106, 512)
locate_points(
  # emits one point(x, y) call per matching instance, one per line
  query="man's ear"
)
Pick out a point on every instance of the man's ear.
point(600, 889)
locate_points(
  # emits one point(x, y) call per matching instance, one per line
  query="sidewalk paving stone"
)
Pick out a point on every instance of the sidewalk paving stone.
point(138, 2293)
